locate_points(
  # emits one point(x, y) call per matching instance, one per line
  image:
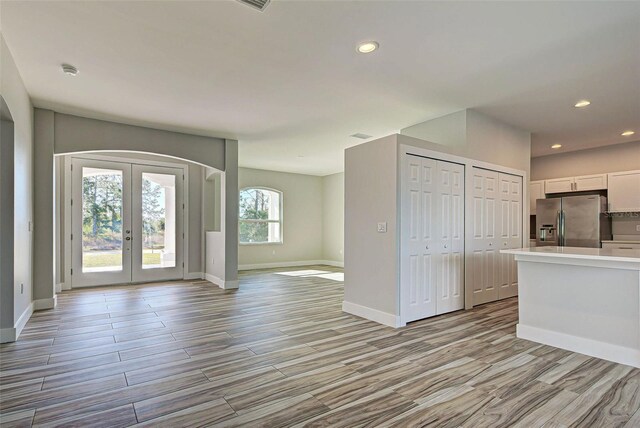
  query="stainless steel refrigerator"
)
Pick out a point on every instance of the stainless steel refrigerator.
point(572, 221)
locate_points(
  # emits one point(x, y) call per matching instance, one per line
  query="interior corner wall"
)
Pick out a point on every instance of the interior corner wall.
point(449, 131)
point(333, 218)
point(6, 231)
point(44, 214)
point(231, 186)
point(474, 135)
point(370, 257)
point(17, 100)
point(302, 199)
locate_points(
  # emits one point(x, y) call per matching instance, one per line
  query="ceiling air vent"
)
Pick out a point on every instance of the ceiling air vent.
point(361, 136)
point(256, 4)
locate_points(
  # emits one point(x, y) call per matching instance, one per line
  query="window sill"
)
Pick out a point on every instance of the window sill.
point(260, 243)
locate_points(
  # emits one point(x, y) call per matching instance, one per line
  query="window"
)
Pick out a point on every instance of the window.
point(260, 218)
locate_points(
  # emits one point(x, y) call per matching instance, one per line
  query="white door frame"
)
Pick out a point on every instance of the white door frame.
point(405, 149)
point(67, 204)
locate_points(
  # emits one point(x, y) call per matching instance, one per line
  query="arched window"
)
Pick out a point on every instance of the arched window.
point(260, 216)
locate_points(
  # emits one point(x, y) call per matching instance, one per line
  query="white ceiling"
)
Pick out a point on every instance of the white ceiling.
point(288, 82)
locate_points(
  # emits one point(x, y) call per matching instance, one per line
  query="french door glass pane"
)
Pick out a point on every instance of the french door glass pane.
point(158, 220)
point(101, 220)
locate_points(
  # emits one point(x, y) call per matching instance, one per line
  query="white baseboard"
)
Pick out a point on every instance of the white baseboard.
point(42, 304)
point(12, 334)
point(289, 264)
point(225, 285)
point(372, 314)
point(66, 286)
point(593, 348)
point(194, 275)
point(332, 263)
point(59, 287)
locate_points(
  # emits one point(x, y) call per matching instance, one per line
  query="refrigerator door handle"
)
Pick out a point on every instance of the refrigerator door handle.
point(562, 229)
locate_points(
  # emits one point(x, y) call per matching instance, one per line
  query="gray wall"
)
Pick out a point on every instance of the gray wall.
point(17, 100)
point(371, 264)
point(6, 229)
point(333, 217)
point(79, 134)
point(619, 157)
point(302, 218)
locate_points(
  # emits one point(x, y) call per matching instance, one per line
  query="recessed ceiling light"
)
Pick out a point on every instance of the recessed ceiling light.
point(367, 47)
point(556, 146)
point(69, 69)
point(582, 103)
point(628, 133)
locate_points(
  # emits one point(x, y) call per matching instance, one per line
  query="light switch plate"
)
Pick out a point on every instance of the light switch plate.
point(382, 227)
point(637, 227)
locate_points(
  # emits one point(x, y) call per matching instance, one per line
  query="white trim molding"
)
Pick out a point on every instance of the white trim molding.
point(606, 351)
point(372, 314)
point(194, 275)
point(59, 287)
point(11, 334)
point(290, 264)
point(225, 285)
point(42, 304)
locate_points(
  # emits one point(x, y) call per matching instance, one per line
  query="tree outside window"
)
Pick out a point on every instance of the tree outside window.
point(260, 216)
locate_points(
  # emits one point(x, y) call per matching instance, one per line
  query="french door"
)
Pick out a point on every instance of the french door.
point(126, 222)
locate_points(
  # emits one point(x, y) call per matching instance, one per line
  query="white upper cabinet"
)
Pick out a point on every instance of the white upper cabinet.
point(576, 184)
point(590, 182)
point(624, 191)
point(536, 191)
point(559, 185)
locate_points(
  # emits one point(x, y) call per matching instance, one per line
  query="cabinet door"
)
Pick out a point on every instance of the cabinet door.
point(619, 246)
point(590, 182)
point(559, 185)
point(485, 239)
point(450, 271)
point(418, 248)
point(510, 232)
point(536, 191)
point(624, 191)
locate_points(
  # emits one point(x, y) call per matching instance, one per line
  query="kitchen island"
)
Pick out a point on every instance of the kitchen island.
point(585, 300)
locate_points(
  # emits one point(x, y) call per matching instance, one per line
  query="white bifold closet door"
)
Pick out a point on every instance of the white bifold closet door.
point(432, 238)
point(497, 224)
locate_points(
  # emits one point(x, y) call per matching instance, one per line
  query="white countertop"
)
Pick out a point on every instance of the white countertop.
point(621, 241)
point(603, 254)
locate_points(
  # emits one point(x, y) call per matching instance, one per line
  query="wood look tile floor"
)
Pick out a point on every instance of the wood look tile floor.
point(280, 352)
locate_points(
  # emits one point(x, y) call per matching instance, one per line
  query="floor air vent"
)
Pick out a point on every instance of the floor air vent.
point(256, 4)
